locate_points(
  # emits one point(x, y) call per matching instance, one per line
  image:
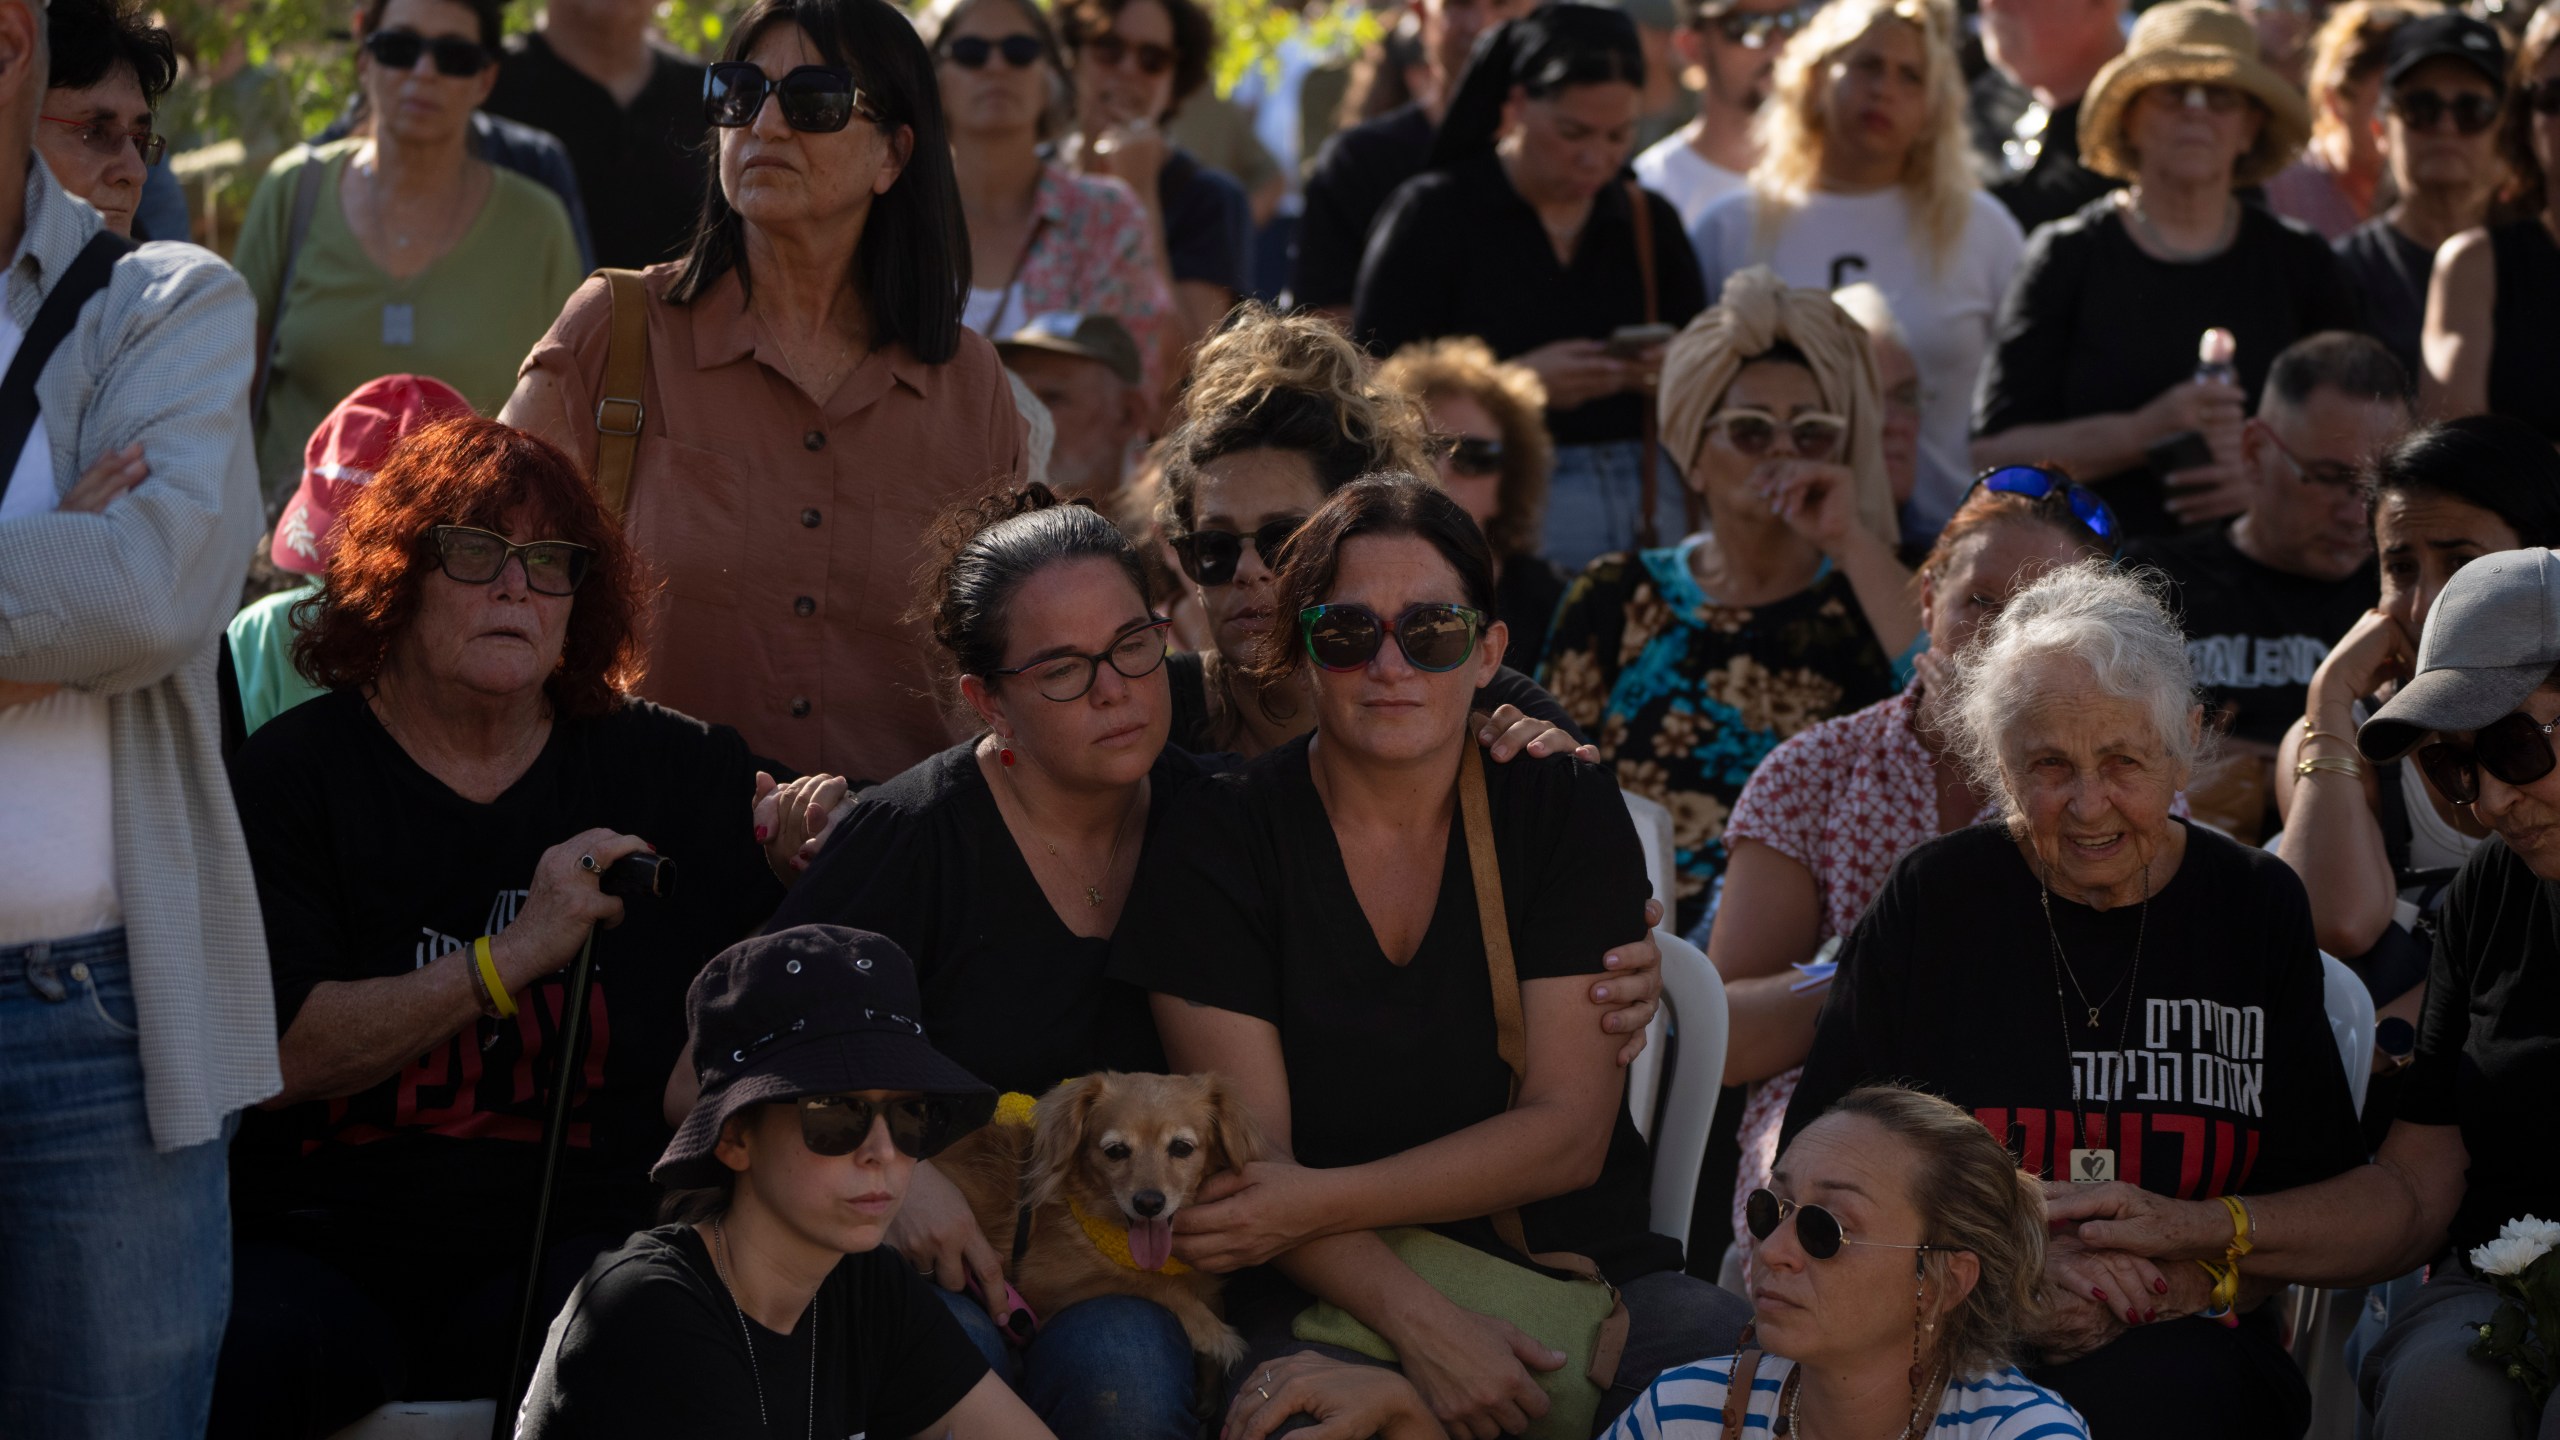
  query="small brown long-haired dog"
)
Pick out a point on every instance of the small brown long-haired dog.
point(1101, 1172)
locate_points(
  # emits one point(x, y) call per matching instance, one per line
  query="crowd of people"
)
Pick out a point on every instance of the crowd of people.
point(1153, 575)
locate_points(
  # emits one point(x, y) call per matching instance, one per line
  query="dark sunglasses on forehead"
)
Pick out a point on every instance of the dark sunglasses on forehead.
point(1469, 454)
point(920, 1127)
point(971, 52)
point(1210, 557)
point(1817, 1229)
point(1137, 654)
point(2516, 749)
point(454, 56)
point(477, 557)
point(2035, 483)
point(1434, 637)
point(815, 99)
point(1109, 49)
point(2471, 110)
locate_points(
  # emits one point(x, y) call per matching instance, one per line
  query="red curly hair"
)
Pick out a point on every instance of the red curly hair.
point(470, 471)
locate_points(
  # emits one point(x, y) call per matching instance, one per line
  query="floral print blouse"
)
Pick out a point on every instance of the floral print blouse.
point(1092, 253)
point(1686, 697)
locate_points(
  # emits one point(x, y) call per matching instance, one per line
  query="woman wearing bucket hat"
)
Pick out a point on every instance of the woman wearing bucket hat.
point(770, 1308)
point(2094, 363)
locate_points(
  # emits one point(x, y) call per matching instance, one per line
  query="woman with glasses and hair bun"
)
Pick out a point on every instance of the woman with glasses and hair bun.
point(1486, 423)
point(1691, 662)
point(2495, 288)
point(1900, 1252)
point(1042, 238)
point(1355, 983)
point(414, 256)
point(811, 399)
point(435, 840)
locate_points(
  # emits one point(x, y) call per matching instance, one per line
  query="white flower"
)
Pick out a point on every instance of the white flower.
point(2545, 1233)
point(2507, 1255)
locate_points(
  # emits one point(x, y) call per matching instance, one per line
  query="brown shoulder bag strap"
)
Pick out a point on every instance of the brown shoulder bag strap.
point(1511, 1041)
point(1745, 1365)
point(1649, 460)
point(619, 408)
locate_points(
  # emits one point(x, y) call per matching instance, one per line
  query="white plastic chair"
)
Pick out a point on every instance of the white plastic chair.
point(2350, 1007)
point(1693, 999)
point(2323, 1319)
point(1653, 828)
point(425, 1420)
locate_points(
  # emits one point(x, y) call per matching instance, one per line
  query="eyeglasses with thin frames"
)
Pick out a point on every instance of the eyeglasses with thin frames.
point(478, 557)
point(107, 140)
point(2328, 474)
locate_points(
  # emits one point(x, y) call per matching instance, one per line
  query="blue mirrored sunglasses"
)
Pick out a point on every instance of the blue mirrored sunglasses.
point(2035, 483)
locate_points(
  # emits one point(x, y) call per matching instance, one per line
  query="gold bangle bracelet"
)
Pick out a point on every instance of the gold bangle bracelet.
point(2338, 764)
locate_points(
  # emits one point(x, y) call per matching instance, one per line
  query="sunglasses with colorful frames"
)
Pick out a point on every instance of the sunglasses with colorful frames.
point(2034, 482)
point(1210, 557)
point(1435, 638)
point(2516, 749)
point(1817, 1229)
point(1814, 436)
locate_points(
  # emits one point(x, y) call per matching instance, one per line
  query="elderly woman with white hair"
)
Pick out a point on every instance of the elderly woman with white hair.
point(1690, 663)
point(2019, 969)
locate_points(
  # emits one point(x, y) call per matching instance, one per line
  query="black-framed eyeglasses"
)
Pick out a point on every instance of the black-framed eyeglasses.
point(1469, 454)
point(1434, 637)
point(815, 99)
point(2035, 482)
point(1765, 30)
point(107, 140)
point(2472, 110)
point(1210, 557)
point(919, 1126)
point(2329, 474)
point(1817, 1229)
point(1109, 49)
point(455, 57)
point(477, 557)
point(971, 52)
point(1137, 654)
point(2516, 749)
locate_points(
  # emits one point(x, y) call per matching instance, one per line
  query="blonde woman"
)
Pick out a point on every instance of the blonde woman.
point(2332, 187)
point(1865, 175)
point(1487, 431)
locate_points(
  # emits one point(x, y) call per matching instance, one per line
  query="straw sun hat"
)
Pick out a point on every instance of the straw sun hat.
point(2192, 42)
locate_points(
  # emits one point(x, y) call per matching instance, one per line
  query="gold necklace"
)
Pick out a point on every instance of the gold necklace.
point(1119, 836)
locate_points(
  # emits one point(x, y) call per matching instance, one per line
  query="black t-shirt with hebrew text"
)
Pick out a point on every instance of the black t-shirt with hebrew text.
point(2254, 634)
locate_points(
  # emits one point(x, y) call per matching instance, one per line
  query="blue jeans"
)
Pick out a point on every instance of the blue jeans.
point(1111, 1368)
point(1593, 502)
point(115, 1258)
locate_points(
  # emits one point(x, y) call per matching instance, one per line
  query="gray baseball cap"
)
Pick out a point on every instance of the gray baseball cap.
point(2491, 640)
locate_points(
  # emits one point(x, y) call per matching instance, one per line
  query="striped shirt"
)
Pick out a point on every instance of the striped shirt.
point(1688, 1404)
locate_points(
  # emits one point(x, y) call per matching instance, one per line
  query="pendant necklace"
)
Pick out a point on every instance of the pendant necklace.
point(754, 1371)
point(1119, 836)
point(2093, 1163)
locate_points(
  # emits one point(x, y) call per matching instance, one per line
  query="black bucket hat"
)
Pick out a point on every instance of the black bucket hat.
point(812, 1010)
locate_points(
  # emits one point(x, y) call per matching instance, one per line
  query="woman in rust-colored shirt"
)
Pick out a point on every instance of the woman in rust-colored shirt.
point(811, 399)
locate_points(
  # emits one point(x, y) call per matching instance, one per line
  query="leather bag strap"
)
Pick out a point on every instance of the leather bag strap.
point(620, 409)
point(1745, 1365)
point(297, 228)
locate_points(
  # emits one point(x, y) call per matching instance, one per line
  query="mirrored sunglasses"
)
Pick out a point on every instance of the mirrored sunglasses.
point(2034, 482)
point(1434, 638)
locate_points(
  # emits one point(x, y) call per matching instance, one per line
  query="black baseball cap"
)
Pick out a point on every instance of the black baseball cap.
point(2448, 35)
point(812, 1010)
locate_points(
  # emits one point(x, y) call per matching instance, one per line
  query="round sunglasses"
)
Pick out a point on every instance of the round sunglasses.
point(1435, 638)
point(1817, 1229)
point(2034, 482)
point(971, 52)
point(815, 99)
point(920, 1127)
point(1137, 654)
point(1210, 557)
point(2516, 749)
point(477, 557)
point(1815, 436)
point(455, 57)
point(2471, 110)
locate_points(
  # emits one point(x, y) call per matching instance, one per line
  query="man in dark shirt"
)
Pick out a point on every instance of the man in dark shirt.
point(2444, 79)
point(2265, 596)
point(1360, 167)
point(630, 115)
point(2026, 107)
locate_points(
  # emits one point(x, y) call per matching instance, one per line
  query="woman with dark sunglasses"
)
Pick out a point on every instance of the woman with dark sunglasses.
point(1350, 995)
point(417, 256)
point(811, 398)
point(771, 1307)
point(1004, 866)
point(1900, 1255)
point(2494, 288)
point(1042, 238)
point(1693, 661)
point(432, 840)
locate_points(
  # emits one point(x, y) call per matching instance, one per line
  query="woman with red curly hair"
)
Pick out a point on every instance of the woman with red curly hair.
point(429, 840)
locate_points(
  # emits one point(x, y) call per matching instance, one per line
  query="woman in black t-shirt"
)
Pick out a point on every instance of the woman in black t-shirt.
point(1310, 929)
point(2116, 993)
point(773, 1308)
point(2487, 340)
point(2094, 362)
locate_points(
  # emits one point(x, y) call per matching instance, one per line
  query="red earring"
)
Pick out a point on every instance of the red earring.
point(1004, 754)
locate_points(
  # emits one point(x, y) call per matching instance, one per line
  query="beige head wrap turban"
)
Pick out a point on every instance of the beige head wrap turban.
point(1757, 312)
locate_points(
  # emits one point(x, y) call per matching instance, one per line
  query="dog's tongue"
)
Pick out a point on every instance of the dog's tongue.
point(1150, 1243)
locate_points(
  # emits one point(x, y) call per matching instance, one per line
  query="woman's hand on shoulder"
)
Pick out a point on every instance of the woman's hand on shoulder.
point(1474, 1371)
point(1249, 1216)
point(1632, 990)
point(2117, 1216)
point(1346, 1401)
point(793, 821)
point(1510, 732)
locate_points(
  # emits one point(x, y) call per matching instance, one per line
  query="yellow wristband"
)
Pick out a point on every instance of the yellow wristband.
point(2241, 1243)
point(498, 995)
